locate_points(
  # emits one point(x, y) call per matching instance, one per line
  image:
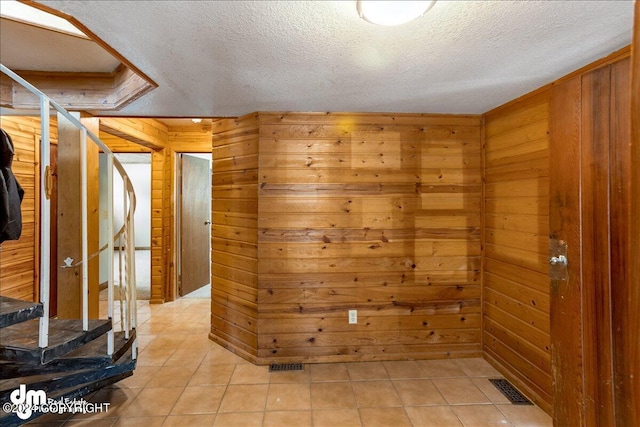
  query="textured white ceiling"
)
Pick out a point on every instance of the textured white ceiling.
point(228, 58)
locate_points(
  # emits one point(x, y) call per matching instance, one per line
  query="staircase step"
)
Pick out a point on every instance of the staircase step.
point(52, 382)
point(114, 375)
point(19, 342)
point(14, 311)
point(91, 355)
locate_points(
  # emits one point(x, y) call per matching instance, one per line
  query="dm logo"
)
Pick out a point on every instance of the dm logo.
point(25, 401)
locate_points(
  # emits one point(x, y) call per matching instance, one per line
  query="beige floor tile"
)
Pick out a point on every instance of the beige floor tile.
point(250, 374)
point(332, 395)
point(375, 394)
point(212, 375)
point(189, 420)
point(433, 416)
point(199, 339)
point(154, 356)
point(526, 415)
point(476, 367)
point(172, 376)
point(459, 391)
point(481, 416)
point(150, 328)
point(242, 419)
point(184, 326)
point(490, 390)
point(167, 341)
point(118, 399)
point(403, 369)
point(143, 340)
point(153, 401)
point(139, 422)
point(283, 377)
point(199, 400)
point(329, 372)
point(244, 398)
point(289, 397)
point(360, 371)
point(287, 418)
point(440, 368)
point(384, 417)
point(210, 378)
point(141, 376)
point(102, 422)
point(418, 393)
point(336, 417)
point(220, 356)
point(187, 356)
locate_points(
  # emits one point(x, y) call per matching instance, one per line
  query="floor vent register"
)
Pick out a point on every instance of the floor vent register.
point(277, 367)
point(510, 392)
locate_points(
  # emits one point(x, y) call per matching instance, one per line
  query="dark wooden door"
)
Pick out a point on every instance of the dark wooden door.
point(589, 212)
point(195, 224)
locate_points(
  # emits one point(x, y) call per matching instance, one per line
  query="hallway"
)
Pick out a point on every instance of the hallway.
point(184, 379)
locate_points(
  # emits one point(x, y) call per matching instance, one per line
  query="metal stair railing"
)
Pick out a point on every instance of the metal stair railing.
point(127, 282)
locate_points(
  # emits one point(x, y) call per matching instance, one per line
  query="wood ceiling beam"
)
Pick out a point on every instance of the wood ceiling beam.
point(149, 133)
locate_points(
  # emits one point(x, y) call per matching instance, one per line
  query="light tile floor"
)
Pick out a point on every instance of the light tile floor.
point(184, 379)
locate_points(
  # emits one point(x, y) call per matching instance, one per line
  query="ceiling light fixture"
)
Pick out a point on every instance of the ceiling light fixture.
point(196, 120)
point(392, 12)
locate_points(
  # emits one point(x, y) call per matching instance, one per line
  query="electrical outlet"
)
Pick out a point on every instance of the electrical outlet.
point(353, 317)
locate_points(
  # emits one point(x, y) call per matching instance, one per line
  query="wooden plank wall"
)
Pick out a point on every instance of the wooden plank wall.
point(119, 145)
point(190, 139)
point(234, 235)
point(516, 218)
point(374, 212)
point(161, 223)
point(19, 260)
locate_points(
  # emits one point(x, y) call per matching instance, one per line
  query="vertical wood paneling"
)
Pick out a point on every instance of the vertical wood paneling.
point(19, 259)
point(160, 179)
point(627, 295)
point(234, 235)
point(516, 285)
point(378, 213)
point(590, 210)
point(596, 270)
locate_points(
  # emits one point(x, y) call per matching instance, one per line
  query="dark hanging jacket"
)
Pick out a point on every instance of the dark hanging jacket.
point(11, 193)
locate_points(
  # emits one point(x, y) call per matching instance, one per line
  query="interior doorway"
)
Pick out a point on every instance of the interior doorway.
point(194, 224)
point(138, 167)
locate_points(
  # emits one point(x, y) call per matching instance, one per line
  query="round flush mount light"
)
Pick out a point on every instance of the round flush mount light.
point(392, 12)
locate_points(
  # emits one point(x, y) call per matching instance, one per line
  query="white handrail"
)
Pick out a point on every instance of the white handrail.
point(85, 233)
point(110, 337)
point(124, 234)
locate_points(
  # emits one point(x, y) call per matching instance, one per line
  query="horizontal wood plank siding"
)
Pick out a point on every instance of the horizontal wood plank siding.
point(374, 212)
point(234, 235)
point(516, 218)
point(19, 259)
